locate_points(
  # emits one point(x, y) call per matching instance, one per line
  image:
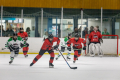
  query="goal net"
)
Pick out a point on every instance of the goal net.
point(109, 45)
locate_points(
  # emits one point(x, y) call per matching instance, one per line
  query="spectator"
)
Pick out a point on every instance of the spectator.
point(6, 33)
point(85, 32)
point(39, 34)
point(91, 29)
point(3, 32)
point(79, 30)
point(9, 32)
point(105, 33)
point(28, 31)
point(98, 29)
point(45, 35)
point(32, 32)
point(75, 31)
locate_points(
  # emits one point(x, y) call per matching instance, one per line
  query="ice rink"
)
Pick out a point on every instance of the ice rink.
point(89, 68)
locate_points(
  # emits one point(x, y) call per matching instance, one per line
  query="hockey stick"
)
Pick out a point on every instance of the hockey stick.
point(66, 61)
point(11, 48)
point(72, 48)
point(6, 48)
point(3, 48)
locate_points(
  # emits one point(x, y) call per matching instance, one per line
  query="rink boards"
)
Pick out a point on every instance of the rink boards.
point(109, 46)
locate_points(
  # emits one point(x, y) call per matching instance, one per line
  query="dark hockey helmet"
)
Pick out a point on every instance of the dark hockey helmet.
point(69, 34)
point(77, 35)
point(50, 36)
point(21, 28)
point(15, 34)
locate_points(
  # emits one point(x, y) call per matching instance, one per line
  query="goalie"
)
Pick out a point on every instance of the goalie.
point(95, 38)
point(14, 44)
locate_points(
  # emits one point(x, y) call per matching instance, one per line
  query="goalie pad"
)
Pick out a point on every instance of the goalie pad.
point(95, 47)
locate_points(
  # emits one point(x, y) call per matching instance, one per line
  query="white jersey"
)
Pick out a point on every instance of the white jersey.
point(15, 43)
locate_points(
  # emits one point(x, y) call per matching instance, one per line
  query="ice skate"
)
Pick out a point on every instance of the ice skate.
point(31, 64)
point(74, 61)
point(26, 56)
point(10, 62)
point(68, 58)
point(51, 65)
point(58, 57)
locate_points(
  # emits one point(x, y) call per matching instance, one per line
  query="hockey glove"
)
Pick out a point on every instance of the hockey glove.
point(69, 48)
point(22, 45)
point(2, 49)
point(26, 38)
point(84, 48)
point(27, 45)
point(101, 40)
point(56, 47)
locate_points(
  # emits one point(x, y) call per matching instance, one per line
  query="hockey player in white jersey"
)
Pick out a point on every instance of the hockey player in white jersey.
point(14, 44)
point(64, 45)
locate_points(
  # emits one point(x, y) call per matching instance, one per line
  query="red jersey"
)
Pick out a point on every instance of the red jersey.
point(48, 45)
point(76, 44)
point(95, 36)
point(24, 35)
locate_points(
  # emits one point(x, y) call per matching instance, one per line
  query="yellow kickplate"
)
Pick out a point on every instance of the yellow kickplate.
point(34, 53)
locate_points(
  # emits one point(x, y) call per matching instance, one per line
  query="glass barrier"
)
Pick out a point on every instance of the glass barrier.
point(39, 22)
point(51, 22)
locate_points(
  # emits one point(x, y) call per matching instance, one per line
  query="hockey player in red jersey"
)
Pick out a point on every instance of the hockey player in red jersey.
point(77, 45)
point(94, 38)
point(47, 46)
point(24, 35)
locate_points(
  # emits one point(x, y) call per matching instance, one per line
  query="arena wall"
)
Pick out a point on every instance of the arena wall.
point(109, 46)
point(86, 4)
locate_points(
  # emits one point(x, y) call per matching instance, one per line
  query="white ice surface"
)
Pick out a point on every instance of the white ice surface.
point(89, 68)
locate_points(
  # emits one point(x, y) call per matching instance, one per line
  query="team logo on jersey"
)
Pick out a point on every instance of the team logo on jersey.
point(76, 45)
point(15, 44)
point(95, 36)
